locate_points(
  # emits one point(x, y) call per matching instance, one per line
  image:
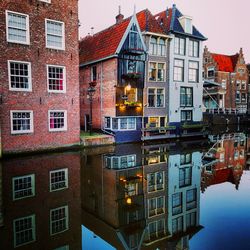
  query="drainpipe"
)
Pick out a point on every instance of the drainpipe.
point(101, 90)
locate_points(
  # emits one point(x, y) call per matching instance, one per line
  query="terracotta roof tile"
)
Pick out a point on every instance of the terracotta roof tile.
point(225, 63)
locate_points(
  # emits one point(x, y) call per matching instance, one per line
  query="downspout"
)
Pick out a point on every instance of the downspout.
point(101, 95)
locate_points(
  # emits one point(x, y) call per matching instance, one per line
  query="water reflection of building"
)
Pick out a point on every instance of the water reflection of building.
point(248, 153)
point(1, 197)
point(230, 152)
point(130, 196)
point(41, 202)
point(112, 196)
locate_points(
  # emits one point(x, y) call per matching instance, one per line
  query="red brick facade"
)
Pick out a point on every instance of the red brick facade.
point(231, 72)
point(39, 100)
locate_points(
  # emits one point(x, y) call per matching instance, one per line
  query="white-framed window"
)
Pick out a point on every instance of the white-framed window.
point(57, 120)
point(156, 181)
point(186, 97)
point(193, 71)
point(224, 83)
point(179, 46)
point(244, 97)
point(19, 76)
point(120, 123)
point(153, 46)
point(238, 84)
point(237, 98)
point(193, 48)
point(58, 179)
point(191, 220)
point(56, 78)
point(127, 123)
point(156, 97)
point(243, 85)
point(157, 46)
point(24, 230)
point(156, 71)
point(191, 198)
point(23, 186)
point(156, 229)
point(162, 47)
point(117, 162)
point(156, 206)
point(185, 177)
point(176, 203)
point(17, 27)
point(186, 115)
point(59, 220)
point(55, 34)
point(178, 70)
point(21, 121)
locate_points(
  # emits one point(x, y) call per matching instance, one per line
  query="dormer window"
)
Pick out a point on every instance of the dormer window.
point(186, 23)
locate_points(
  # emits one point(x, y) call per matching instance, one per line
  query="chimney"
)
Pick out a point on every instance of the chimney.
point(119, 17)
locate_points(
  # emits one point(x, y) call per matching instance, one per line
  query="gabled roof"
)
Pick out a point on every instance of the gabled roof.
point(171, 23)
point(225, 63)
point(105, 43)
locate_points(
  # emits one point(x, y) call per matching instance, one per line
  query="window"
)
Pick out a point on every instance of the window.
point(153, 46)
point(238, 84)
point(117, 162)
point(131, 189)
point(58, 179)
point(57, 120)
point(156, 97)
point(177, 225)
point(176, 203)
point(193, 71)
point(107, 122)
point(178, 70)
point(58, 220)
point(243, 97)
point(23, 186)
point(21, 122)
point(156, 229)
point(127, 124)
point(155, 206)
point(186, 159)
point(156, 72)
point(186, 115)
point(186, 97)
point(131, 94)
point(224, 83)
point(162, 47)
point(237, 98)
point(155, 181)
point(193, 48)
point(191, 220)
point(24, 230)
point(179, 46)
point(191, 199)
point(185, 177)
point(243, 85)
point(55, 34)
point(241, 70)
point(93, 73)
point(19, 76)
point(134, 38)
point(17, 27)
point(210, 72)
point(56, 79)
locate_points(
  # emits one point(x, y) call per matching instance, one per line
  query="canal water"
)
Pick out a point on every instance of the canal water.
point(190, 194)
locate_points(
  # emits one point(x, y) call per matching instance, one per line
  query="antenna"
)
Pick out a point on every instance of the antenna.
point(119, 9)
point(134, 9)
point(92, 31)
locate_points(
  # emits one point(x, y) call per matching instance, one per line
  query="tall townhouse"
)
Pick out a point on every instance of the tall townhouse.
point(185, 71)
point(39, 79)
point(113, 61)
point(229, 77)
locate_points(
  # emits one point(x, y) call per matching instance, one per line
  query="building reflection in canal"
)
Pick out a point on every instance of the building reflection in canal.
point(130, 196)
point(41, 202)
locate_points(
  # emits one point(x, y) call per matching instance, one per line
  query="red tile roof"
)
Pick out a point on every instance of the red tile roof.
point(105, 43)
point(162, 18)
point(225, 63)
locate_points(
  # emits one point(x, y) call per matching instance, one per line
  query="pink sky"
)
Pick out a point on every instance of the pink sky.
point(225, 23)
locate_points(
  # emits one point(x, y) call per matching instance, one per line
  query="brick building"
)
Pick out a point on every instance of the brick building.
point(230, 77)
point(39, 80)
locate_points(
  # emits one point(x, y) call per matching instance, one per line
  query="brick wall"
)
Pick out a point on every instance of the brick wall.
point(40, 100)
point(104, 99)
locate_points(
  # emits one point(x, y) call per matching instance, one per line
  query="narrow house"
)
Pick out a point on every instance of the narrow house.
point(114, 59)
point(228, 77)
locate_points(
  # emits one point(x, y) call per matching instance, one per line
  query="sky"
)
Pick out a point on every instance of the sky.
point(224, 22)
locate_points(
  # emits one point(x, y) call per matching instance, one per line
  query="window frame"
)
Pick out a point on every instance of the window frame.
point(177, 38)
point(183, 69)
point(157, 71)
point(33, 187)
point(186, 111)
point(156, 206)
point(27, 42)
point(33, 228)
point(64, 78)
point(155, 97)
point(16, 132)
point(66, 218)
point(195, 69)
point(29, 89)
point(191, 48)
point(66, 179)
point(65, 128)
point(185, 97)
point(46, 34)
point(155, 185)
